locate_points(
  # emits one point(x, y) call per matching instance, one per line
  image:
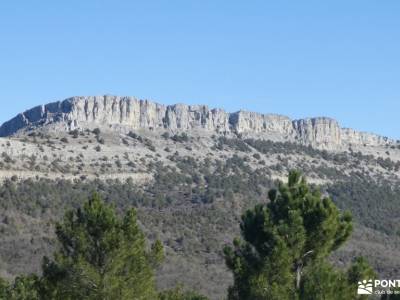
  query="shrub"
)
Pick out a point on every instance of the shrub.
point(180, 138)
point(96, 131)
point(74, 133)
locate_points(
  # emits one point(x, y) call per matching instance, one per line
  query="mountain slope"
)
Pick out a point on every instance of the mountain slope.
point(190, 181)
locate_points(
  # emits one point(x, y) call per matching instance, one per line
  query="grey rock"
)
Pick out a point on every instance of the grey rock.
point(129, 113)
point(319, 132)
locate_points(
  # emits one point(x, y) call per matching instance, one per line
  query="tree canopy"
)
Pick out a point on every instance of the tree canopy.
point(285, 245)
point(101, 256)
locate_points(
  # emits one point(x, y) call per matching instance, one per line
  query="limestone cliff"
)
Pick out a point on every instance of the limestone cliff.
point(131, 113)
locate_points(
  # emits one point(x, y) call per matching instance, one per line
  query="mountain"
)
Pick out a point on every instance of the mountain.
point(126, 113)
point(190, 171)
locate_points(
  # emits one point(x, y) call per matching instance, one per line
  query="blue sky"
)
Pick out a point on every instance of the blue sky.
point(299, 58)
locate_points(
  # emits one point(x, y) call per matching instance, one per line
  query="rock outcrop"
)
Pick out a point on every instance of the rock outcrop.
point(322, 132)
point(131, 113)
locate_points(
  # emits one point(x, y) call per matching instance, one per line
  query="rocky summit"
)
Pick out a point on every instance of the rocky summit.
point(126, 113)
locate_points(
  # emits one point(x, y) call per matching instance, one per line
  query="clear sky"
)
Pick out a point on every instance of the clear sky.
point(336, 58)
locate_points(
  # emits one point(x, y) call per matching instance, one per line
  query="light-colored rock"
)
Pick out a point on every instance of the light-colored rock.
point(244, 121)
point(353, 137)
point(187, 117)
point(131, 113)
point(319, 132)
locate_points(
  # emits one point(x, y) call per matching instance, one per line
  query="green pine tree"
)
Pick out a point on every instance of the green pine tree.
point(3, 288)
point(322, 281)
point(285, 245)
point(23, 288)
point(101, 257)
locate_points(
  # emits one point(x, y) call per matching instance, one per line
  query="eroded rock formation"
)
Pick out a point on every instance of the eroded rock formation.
point(132, 113)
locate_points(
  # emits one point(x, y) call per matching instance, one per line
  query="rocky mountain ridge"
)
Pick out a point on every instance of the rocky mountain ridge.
point(126, 113)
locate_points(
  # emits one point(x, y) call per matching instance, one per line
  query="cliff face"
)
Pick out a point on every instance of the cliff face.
point(323, 132)
point(131, 113)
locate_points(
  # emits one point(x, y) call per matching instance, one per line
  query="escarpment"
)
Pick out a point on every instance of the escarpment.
point(131, 113)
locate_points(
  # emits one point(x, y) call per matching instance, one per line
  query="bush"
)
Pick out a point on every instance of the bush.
point(96, 131)
point(180, 138)
point(7, 159)
point(74, 133)
point(133, 135)
point(235, 144)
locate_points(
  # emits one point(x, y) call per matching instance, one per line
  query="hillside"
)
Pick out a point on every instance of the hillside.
point(190, 171)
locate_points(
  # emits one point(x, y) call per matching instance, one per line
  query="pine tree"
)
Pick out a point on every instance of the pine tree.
point(101, 257)
point(322, 281)
point(285, 245)
point(23, 288)
point(3, 288)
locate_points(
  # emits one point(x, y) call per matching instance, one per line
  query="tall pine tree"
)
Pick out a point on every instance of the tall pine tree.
point(285, 245)
point(101, 257)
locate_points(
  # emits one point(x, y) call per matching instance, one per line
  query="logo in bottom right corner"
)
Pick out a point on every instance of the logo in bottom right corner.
point(379, 287)
point(365, 287)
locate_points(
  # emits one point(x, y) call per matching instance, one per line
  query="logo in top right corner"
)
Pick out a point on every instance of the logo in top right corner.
point(365, 287)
